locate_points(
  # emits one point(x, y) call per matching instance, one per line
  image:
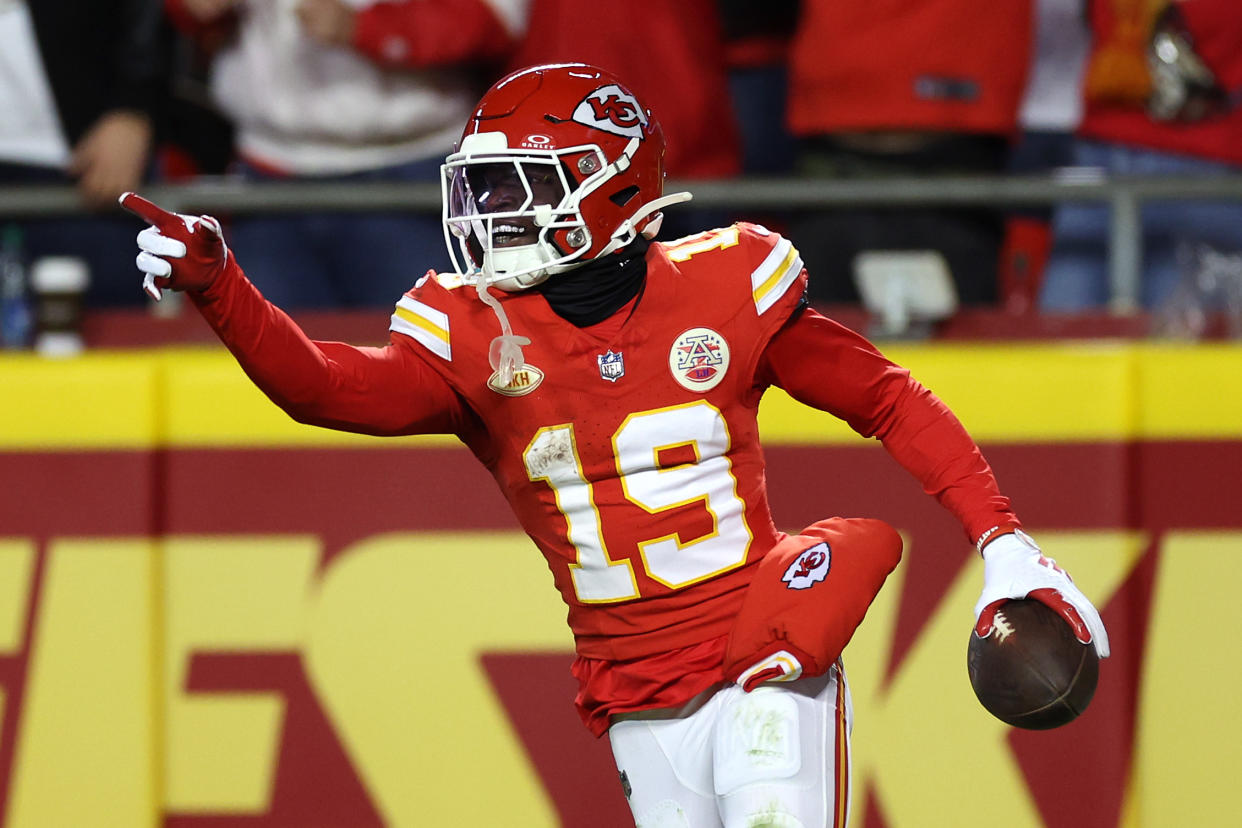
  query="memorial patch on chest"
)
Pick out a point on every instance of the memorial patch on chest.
point(525, 380)
point(699, 359)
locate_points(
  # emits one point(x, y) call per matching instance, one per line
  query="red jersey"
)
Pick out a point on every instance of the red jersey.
point(1216, 29)
point(629, 451)
point(631, 460)
point(953, 65)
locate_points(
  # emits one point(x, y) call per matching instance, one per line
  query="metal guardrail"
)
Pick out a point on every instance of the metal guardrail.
point(1125, 196)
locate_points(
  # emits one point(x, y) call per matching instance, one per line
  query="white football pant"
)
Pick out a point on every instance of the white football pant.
point(778, 756)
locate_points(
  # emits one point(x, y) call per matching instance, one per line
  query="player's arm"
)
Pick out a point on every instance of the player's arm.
point(388, 390)
point(827, 366)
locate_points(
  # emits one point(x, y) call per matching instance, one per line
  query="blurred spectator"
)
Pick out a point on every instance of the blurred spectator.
point(672, 55)
point(1161, 96)
point(328, 90)
point(679, 66)
point(1050, 113)
point(905, 88)
point(80, 82)
point(1051, 107)
point(757, 40)
point(196, 138)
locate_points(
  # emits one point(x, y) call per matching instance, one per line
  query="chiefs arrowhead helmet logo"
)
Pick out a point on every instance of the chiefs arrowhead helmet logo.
point(614, 110)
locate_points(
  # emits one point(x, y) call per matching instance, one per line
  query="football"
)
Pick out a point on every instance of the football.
point(1030, 671)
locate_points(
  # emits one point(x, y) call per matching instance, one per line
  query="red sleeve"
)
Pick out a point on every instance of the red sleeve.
point(850, 379)
point(369, 390)
point(416, 35)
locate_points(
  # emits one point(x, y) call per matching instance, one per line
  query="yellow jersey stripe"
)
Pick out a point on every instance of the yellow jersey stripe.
point(772, 278)
point(761, 275)
point(424, 324)
point(429, 327)
point(437, 319)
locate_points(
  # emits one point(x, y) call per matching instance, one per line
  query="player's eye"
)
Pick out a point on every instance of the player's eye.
point(488, 177)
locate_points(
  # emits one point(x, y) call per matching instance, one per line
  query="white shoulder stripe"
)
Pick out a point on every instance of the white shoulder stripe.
point(439, 318)
point(424, 324)
point(774, 276)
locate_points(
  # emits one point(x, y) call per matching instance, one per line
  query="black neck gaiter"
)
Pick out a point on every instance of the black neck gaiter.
point(589, 294)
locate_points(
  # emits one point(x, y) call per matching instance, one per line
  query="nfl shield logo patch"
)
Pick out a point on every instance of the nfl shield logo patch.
point(611, 366)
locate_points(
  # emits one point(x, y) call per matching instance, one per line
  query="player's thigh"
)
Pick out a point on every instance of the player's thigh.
point(666, 770)
point(782, 755)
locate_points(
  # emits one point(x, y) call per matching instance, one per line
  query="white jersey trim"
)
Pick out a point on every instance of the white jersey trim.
point(424, 324)
point(773, 277)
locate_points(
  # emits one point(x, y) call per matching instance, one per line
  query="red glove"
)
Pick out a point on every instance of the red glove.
point(178, 252)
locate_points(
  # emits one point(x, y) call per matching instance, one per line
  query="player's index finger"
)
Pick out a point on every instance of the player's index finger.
point(146, 210)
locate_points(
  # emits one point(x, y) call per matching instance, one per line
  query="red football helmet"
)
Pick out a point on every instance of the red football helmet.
point(558, 165)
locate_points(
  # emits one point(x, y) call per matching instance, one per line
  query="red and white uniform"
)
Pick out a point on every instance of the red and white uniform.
point(636, 487)
point(629, 451)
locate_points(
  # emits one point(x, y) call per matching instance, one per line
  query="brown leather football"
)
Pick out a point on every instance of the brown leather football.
point(1031, 671)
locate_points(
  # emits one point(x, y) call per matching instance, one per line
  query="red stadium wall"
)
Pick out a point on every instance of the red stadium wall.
point(212, 617)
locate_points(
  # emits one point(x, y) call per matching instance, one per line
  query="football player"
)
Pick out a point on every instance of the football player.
point(611, 384)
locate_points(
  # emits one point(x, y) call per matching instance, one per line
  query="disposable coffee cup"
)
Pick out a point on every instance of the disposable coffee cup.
point(58, 285)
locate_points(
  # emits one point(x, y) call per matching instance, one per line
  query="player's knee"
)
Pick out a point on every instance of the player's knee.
point(769, 818)
point(757, 740)
point(664, 814)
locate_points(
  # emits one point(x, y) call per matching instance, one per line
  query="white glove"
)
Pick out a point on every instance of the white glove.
point(178, 251)
point(1013, 567)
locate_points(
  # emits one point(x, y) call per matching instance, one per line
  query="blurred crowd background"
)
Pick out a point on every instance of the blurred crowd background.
point(115, 95)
